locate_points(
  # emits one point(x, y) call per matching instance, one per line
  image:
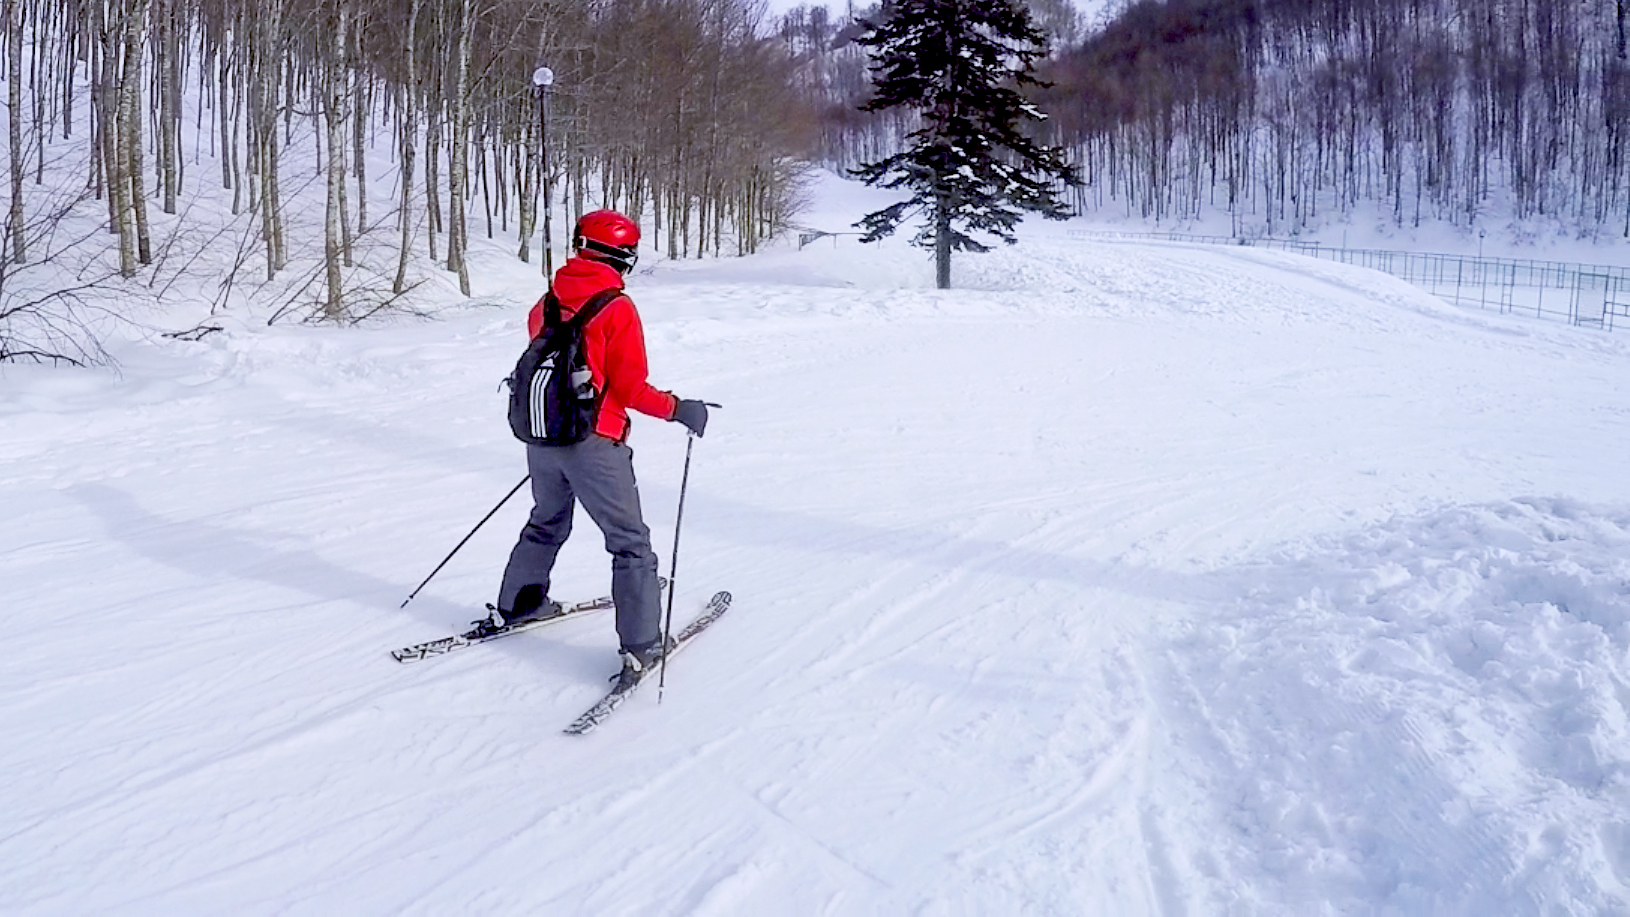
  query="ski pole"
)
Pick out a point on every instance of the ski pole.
point(478, 526)
point(673, 570)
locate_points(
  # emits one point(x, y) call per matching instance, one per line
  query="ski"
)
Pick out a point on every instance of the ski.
point(445, 645)
point(597, 714)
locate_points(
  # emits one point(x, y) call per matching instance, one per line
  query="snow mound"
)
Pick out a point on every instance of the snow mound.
point(1428, 715)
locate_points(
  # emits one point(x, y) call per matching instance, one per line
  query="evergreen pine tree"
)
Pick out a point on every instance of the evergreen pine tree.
point(959, 64)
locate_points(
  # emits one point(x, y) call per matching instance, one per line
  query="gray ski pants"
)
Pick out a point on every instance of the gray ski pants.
point(600, 473)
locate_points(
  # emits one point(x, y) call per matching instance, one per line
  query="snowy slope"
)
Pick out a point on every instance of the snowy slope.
point(1122, 579)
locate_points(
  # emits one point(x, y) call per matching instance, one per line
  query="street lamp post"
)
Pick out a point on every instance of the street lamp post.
point(544, 79)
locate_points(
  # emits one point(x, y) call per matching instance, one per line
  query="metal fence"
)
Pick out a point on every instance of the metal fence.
point(1596, 296)
point(806, 236)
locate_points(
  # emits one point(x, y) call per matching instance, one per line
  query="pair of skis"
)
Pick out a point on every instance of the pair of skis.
point(595, 715)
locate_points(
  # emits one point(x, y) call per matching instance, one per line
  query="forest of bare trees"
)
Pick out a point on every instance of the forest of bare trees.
point(675, 110)
point(1279, 111)
point(694, 114)
point(1277, 108)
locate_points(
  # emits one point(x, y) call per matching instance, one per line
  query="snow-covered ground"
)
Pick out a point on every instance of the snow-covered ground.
point(1122, 579)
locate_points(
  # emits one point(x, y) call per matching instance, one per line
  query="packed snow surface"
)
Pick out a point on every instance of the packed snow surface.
point(1121, 579)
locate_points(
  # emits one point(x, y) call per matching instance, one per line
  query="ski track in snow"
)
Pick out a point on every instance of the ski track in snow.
point(1122, 579)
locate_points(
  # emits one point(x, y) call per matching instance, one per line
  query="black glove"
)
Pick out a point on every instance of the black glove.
point(693, 414)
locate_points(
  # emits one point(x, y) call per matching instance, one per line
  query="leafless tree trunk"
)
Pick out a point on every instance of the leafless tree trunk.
point(168, 65)
point(432, 169)
point(334, 117)
point(14, 96)
point(459, 168)
point(265, 111)
point(362, 107)
point(528, 187)
point(112, 121)
point(409, 140)
point(130, 133)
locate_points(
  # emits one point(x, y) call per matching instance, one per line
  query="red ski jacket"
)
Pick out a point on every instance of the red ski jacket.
point(614, 342)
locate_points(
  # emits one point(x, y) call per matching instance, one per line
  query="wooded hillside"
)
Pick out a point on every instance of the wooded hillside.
point(1280, 110)
point(678, 110)
point(1281, 107)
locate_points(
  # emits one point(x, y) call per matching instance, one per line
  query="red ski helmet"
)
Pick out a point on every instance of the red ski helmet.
point(606, 235)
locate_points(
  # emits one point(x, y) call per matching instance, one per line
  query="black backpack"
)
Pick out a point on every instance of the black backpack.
point(552, 401)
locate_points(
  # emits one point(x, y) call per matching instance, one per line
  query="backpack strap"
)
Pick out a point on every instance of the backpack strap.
point(592, 306)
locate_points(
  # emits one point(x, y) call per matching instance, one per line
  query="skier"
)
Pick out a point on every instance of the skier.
point(599, 471)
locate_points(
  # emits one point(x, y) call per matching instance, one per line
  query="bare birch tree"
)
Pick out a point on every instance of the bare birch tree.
point(14, 125)
point(459, 168)
point(335, 120)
